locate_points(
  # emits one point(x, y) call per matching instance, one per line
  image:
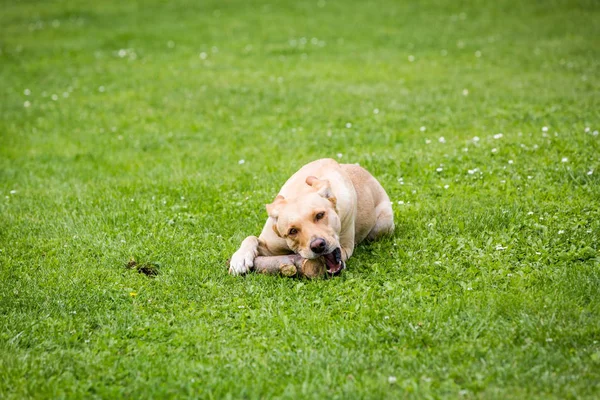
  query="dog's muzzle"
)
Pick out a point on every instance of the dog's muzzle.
point(334, 262)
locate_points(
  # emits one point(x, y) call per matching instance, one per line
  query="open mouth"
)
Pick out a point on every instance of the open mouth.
point(334, 261)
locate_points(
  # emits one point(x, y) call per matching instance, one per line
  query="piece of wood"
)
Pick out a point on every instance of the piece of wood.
point(290, 265)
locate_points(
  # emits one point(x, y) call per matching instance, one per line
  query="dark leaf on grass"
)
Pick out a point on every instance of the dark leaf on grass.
point(149, 269)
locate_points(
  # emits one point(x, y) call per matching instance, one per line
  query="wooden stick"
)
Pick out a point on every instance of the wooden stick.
point(290, 265)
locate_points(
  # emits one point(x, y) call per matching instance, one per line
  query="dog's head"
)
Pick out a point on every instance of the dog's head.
point(310, 223)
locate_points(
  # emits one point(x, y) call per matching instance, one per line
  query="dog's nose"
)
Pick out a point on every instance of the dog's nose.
point(317, 246)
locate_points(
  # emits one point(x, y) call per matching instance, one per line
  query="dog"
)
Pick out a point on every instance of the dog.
point(323, 210)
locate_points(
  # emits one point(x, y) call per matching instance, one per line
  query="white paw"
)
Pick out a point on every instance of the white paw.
point(241, 262)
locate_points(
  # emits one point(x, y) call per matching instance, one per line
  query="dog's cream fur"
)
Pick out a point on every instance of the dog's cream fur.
point(342, 204)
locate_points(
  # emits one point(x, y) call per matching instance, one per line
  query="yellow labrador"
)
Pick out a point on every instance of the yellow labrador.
point(324, 209)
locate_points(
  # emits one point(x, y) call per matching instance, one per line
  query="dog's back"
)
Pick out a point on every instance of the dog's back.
point(372, 202)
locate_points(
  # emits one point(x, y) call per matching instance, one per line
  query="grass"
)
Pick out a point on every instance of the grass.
point(123, 126)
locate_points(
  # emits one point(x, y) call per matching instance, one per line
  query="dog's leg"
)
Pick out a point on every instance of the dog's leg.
point(267, 244)
point(347, 252)
point(385, 221)
point(243, 259)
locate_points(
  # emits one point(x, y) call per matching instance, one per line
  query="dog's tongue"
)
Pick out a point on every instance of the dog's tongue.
point(334, 261)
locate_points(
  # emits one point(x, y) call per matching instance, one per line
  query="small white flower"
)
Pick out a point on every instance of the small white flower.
point(54, 97)
point(498, 136)
point(401, 202)
point(242, 161)
point(376, 111)
point(411, 58)
point(203, 55)
point(595, 133)
point(564, 159)
point(561, 232)
point(465, 92)
point(586, 130)
point(545, 129)
point(427, 141)
point(471, 171)
point(530, 213)
point(386, 317)
point(122, 53)
point(439, 169)
point(339, 155)
point(27, 104)
point(392, 380)
point(494, 150)
point(591, 171)
point(13, 191)
point(446, 186)
point(469, 288)
point(549, 340)
point(478, 54)
point(509, 275)
point(101, 89)
point(27, 92)
point(529, 177)
point(348, 125)
point(511, 162)
point(476, 138)
point(422, 129)
point(442, 139)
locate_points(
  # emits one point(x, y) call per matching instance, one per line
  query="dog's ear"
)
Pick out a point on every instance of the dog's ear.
point(275, 206)
point(274, 226)
point(323, 187)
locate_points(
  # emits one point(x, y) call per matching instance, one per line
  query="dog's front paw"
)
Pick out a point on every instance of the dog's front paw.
point(241, 263)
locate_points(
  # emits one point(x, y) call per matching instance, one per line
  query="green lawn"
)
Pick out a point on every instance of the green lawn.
point(122, 133)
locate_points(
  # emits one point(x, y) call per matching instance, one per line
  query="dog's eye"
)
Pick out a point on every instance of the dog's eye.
point(292, 231)
point(319, 215)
